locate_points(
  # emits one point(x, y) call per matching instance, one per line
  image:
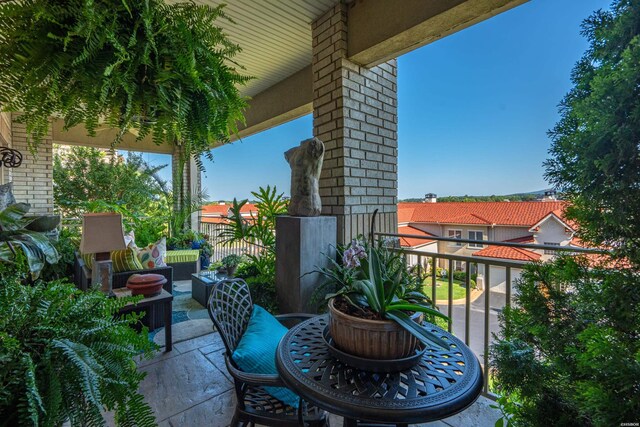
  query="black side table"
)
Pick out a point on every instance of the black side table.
point(164, 298)
point(442, 384)
point(202, 283)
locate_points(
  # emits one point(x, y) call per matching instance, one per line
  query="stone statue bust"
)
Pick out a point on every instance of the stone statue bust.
point(306, 164)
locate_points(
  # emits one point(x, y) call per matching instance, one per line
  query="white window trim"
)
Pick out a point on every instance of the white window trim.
point(475, 245)
point(455, 230)
point(551, 251)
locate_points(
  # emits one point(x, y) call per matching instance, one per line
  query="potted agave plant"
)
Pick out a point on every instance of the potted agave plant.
point(375, 313)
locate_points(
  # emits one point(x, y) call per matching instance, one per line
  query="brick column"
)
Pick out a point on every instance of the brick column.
point(355, 115)
point(33, 181)
point(186, 186)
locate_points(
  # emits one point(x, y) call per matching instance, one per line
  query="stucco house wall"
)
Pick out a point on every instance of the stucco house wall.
point(430, 248)
point(552, 231)
point(498, 278)
point(502, 233)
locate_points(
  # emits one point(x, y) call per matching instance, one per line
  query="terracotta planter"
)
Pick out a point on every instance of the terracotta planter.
point(371, 339)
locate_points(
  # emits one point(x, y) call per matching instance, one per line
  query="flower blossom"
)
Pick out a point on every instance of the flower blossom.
point(352, 256)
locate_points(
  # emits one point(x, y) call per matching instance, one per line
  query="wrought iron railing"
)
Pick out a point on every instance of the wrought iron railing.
point(220, 248)
point(476, 313)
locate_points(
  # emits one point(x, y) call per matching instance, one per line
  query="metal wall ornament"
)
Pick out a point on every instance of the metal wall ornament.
point(10, 158)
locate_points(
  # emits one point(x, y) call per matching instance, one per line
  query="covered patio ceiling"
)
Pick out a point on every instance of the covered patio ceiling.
point(275, 36)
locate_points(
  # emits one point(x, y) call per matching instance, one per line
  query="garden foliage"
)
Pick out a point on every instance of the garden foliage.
point(259, 230)
point(63, 356)
point(568, 353)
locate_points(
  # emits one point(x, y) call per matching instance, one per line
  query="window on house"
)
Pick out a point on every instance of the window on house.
point(455, 234)
point(476, 235)
point(458, 265)
point(550, 251)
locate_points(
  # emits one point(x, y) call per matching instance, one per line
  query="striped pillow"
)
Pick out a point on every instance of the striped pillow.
point(125, 260)
point(88, 260)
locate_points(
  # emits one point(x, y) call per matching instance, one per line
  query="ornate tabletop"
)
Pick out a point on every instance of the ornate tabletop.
point(443, 383)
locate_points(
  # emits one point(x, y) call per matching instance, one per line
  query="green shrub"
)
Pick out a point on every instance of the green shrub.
point(571, 357)
point(569, 348)
point(67, 244)
point(63, 356)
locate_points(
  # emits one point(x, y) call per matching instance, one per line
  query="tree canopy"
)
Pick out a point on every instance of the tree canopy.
point(85, 176)
point(595, 156)
point(569, 346)
point(165, 70)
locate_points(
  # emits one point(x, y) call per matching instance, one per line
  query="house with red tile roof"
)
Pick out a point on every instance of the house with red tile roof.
point(216, 213)
point(533, 222)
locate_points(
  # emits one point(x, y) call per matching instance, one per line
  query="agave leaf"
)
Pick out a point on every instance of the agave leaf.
point(406, 306)
point(368, 291)
point(427, 337)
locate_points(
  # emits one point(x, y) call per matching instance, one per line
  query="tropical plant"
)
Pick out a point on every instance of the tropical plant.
point(180, 215)
point(65, 357)
point(259, 229)
point(159, 69)
point(14, 231)
point(375, 279)
point(66, 245)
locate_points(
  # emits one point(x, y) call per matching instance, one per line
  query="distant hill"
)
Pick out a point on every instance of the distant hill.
point(518, 197)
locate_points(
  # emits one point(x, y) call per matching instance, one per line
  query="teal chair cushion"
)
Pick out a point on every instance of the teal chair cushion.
point(256, 351)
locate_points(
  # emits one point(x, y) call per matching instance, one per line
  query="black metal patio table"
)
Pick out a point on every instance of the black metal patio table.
point(441, 384)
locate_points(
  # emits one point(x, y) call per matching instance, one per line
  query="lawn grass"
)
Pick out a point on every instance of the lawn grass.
point(442, 290)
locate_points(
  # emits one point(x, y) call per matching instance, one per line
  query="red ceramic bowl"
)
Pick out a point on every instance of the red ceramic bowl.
point(147, 285)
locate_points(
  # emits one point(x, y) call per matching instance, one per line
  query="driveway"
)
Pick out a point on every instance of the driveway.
point(477, 319)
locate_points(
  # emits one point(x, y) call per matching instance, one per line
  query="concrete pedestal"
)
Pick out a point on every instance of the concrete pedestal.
point(302, 245)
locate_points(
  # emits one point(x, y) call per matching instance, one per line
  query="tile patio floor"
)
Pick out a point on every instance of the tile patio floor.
point(189, 387)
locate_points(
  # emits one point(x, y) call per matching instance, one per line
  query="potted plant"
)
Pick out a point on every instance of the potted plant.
point(375, 313)
point(230, 263)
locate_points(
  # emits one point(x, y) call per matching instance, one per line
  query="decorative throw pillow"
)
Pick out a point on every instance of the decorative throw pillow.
point(125, 260)
point(130, 239)
point(6, 195)
point(88, 260)
point(153, 255)
point(256, 351)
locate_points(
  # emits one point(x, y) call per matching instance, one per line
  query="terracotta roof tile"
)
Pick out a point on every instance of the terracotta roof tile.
point(498, 213)
point(411, 242)
point(404, 214)
point(506, 252)
point(218, 209)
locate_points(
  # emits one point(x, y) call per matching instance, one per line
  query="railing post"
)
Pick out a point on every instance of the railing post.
point(450, 299)
point(433, 280)
point(467, 303)
point(487, 308)
point(508, 293)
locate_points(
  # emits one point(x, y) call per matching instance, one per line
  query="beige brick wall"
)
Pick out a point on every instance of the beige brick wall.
point(33, 181)
point(355, 115)
point(191, 183)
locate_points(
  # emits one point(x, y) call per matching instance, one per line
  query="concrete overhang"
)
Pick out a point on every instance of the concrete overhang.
point(377, 33)
point(78, 135)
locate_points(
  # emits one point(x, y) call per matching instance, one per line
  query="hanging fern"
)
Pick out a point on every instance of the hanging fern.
point(165, 70)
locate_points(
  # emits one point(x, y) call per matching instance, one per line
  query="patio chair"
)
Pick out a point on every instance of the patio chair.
point(230, 307)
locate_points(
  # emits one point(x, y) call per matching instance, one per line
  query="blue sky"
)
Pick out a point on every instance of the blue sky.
point(473, 110)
